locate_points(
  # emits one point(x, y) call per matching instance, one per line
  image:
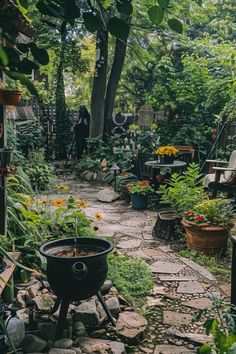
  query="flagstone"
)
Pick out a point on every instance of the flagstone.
point(190, 287)
point(166, 267)
point(152, 252)
point(171, 349)
point(176, 278)
point(177, 319)
point(203, 271)
point(139, 254)
point(200, 303)
point(128, 244)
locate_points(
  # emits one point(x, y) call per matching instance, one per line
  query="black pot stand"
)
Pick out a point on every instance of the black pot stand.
point(64, 306)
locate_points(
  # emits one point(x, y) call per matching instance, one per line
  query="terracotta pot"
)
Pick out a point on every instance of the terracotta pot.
point(9, 97)
point(206, 238)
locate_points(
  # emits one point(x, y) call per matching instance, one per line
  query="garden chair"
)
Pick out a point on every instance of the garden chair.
point(221, 179)
point(143, 171)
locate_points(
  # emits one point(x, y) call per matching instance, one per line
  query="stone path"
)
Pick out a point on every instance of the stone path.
point(181, 286)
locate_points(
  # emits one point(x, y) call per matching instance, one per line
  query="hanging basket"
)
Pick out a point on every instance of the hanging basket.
point(9, 97)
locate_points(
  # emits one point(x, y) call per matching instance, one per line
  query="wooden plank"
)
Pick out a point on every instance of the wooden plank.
point(5, 276)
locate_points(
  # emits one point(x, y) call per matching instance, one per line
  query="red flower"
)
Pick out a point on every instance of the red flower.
point(199, 217)
point(146, 181)
point(189, 213)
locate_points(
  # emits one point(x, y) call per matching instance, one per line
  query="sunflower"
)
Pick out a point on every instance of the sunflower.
point(98, 216)
point(62, 187)
point(58, 202)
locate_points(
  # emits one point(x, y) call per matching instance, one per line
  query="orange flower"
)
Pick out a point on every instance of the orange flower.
point(98, 216)
point(62, 187)
point(82, 203)
point(58, 202)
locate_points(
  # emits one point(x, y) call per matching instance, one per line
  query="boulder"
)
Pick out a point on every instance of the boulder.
point(113, 305)
point(33, 344)
point(107, 196)
point(131, 326)
point(47, 330)
point(87, 313)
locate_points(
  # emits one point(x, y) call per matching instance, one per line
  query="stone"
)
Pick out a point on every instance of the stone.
point(113, 305)
point(177, 319)
point(21, 298)
point(88, 176)
point(106, 287)
point(158, 290)
point(77, 350)
point(23, 314)
point(171, 349)
point(107, 196)
point(154, 253)
point(190, 287)
point(44, 301)
point(33, 344)
point(131, 326)
point(138, 254)
point(62, 351)
point(87, 313)
point(165, 249)
point(152, 301)
point(129, 244)
point(226, 288)
point(194, 337)
point(201, 303)
point(98, 333)
point(201, 270)
point(176, 278)
point(32, 291)
point(104, 163)
point(64, 343)
point(79, 327)
point(166, 267)
point(47, 330)
point(91, 345)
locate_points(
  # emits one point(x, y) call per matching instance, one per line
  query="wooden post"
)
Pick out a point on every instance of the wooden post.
point(3, 179)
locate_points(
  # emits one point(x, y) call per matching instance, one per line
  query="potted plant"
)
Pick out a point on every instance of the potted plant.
point(139, 193)
point(10, 95)
point(207, 226)
point(166, 154)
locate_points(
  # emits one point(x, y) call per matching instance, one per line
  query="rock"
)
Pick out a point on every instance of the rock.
point(129, 244)
point(23, 314)
point(131, 326)
point(64, 343)
point(98, 334)
point(171, 349)
point(33, 344)
point(79, 328)
point(177, 318)
point(190, 287)
point(105, 169)
point(44, 301)
point(113, 305)
point(194, 337)
point(77, 350)
point(201, 303)
point(203, 271)
point(106, 287)
point(88, 176)
point(90, 345)
point(166, 267)
point(21, 298)
point(87, 313)
point(95, 176)
point(107, 196)
point(32, 292)
point(47, 330)
point(61, 351)
point(152, 301)
point(104, 163)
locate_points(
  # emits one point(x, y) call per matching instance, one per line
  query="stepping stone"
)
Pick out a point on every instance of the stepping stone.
point(131, 326)
point(176, 278)
point(201, 270)
point(158, 290)
point(91, 345)
point(135, 222)
point(226, 288)
point(129, 244)
point(139, 254)
point(171, 349)
point(197, 338)
point(190, 287)
point(152, 301)
point(152, 252)
point(165, 249)
point(198, 304)
point(177, 319)
point(166, 267)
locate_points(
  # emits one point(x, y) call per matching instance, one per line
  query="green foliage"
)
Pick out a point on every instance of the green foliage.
point(132, 277)
point(29, 136)
point(39, 172)
point(184, 191)
point(140, 187)
point(222, 327)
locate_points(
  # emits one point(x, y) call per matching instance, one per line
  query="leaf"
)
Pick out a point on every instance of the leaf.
point(51, 10)
point(211, 324)
point(24, 80)
point(125, 7)
point(164, 3)
point(156, 14)
point(26, 66)
point(3, 56)
point(71, 9)
point(22, 47)
point(175, 25)
point(39, 54)
point(91, 21)
point(23, 3)
point(106, 3)
point(205, 349)
point(118, 28)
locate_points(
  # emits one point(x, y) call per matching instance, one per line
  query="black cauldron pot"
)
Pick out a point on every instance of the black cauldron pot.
point(76, 278)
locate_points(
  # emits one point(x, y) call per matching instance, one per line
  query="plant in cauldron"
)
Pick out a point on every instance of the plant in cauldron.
point(139, 192)
point(207, 226)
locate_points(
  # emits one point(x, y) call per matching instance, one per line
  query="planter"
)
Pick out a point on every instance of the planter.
point(167, 159)
point(123, 188)
point(168, 226)
point(9, 97)
point(206, 238)
point(139, 201)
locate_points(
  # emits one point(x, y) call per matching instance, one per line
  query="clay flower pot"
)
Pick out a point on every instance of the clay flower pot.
point(10, 97)
point(209, 239)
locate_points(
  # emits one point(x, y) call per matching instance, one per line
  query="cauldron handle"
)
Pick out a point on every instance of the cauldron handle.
point(80, 270)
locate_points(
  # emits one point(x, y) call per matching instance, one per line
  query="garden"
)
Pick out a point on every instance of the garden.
point(117, 177)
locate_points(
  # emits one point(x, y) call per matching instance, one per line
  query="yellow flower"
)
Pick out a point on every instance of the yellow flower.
point(27, 203)
point(166, 151)
point(43, 202)
point(62, 187)
point(98, 216)
point(58, 202)
point(82, 203)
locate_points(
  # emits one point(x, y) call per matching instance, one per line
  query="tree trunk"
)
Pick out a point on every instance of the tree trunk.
point(99, 85)
point(63, 131)
point(113, 82)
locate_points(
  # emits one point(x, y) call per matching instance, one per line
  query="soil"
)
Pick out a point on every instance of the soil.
point(72, 252)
